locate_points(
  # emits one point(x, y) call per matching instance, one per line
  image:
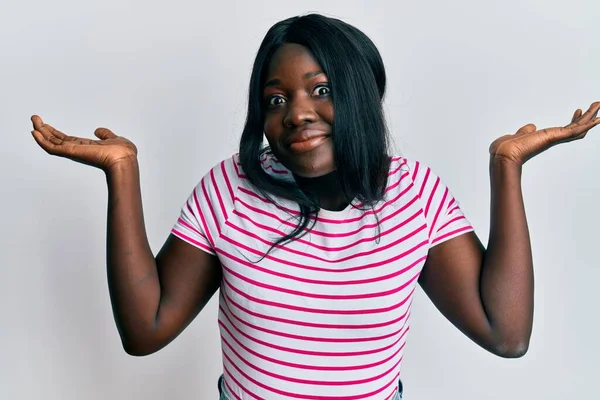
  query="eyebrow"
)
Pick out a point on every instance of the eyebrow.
point(309, 75)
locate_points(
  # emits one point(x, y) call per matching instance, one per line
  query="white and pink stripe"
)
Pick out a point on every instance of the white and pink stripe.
point(326, 316)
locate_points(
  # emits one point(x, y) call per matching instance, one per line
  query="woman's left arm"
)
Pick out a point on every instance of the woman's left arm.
point(488, 294)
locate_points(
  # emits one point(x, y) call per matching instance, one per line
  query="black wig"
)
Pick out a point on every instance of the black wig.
point(357, 79)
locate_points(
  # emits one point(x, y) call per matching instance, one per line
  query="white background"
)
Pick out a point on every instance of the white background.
point(172, 77)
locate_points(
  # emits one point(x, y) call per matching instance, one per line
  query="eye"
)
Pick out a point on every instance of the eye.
point(274, 101)
point(322, 90)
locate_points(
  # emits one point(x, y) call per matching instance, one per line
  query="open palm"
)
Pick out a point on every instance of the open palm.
point(527, 142)
point(104, 153)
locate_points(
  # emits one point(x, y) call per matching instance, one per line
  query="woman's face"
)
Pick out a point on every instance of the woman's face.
point(299, 112)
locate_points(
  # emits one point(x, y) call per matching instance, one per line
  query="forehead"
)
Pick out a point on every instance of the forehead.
point(292, 58)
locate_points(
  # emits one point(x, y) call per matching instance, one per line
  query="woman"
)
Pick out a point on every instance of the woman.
point(317, 241)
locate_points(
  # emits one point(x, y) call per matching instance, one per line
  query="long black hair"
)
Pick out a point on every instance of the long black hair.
point(357, 79)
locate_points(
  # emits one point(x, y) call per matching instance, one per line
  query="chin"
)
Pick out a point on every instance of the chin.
point(311, 164)
point(308, 165)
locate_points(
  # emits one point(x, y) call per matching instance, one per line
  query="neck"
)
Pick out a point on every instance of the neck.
point(326, 188)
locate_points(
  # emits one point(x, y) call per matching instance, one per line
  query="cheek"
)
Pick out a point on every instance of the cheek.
point(271, 127)
point(326, 112)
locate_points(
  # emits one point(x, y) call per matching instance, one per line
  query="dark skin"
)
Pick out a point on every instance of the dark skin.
point(487, 293)
point(296, 82)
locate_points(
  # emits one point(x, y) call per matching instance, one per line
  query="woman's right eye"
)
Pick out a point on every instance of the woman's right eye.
point(274, 101)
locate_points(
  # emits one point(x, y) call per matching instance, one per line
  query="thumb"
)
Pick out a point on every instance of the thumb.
point(527, 129)
point(104, 133)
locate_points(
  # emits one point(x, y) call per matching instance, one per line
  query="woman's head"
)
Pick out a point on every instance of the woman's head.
point(317, 76)
point(353, 76)
point(298, 111)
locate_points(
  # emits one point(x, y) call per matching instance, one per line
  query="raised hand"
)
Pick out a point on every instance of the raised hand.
point(527, 142)
point(105, 153)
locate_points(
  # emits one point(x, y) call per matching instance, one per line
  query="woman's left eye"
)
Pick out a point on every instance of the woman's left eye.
point(322, 90)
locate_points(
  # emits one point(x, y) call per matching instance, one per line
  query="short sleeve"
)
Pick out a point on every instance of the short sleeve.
point(445, 219)
point(206, 209)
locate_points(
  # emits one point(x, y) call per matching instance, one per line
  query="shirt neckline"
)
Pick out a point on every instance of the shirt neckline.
point(272, 166)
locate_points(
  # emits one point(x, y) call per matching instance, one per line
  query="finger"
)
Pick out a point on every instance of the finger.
point(55, 131)
point(581, 128)
point(39, 125)
point(529, 128)
point(49, 130)
point(104, 133)
point(591, 113)
point(48, 144)
point(47, 135)
point(577, 114)
point(75, 148)
point(586, 129)
point(37, 121)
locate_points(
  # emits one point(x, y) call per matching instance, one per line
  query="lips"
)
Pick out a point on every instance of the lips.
point(305, 135)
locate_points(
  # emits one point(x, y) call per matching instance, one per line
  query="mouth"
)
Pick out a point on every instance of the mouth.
point(306, 140)
point(308, 144)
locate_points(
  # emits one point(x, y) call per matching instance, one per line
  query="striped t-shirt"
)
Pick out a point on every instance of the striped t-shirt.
point(325, 316)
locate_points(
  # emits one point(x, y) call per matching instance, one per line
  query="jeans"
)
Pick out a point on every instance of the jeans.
point(223, 390)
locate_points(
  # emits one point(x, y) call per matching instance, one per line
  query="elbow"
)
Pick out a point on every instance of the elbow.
point(137, 352)
point(512, 349)
point(138, 348)
point(140, 342)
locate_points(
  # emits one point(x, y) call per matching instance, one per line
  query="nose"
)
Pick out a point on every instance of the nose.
point(300, 111)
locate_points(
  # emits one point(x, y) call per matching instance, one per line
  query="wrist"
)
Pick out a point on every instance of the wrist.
point(122, 166)
point(497, 161)
point(502, 168)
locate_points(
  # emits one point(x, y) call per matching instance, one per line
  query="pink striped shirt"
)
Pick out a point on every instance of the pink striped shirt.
point(325, 316)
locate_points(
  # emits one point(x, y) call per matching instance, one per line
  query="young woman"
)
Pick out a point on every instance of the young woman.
point(317, 241)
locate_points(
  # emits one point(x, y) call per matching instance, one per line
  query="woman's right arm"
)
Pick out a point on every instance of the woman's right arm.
point(153, 299)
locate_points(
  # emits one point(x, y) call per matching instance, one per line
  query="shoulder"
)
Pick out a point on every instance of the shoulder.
point(221, 181)
point(414, 180)
point(228, 175)
point(224, 173)
point(408, 170)
point(414, 171)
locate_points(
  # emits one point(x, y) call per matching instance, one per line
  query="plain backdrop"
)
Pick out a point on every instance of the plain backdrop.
point(172, 77)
